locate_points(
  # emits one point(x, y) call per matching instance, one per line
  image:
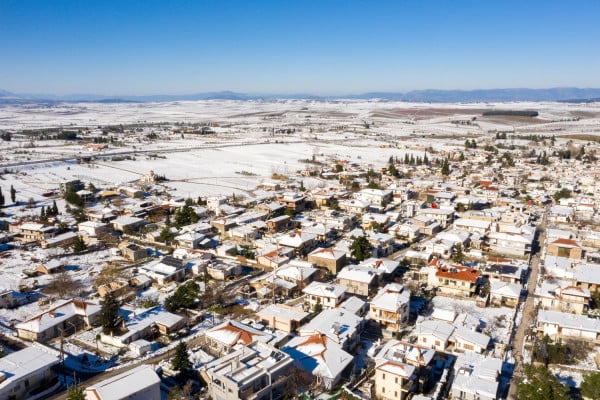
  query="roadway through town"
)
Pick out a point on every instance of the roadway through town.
point(528, 313)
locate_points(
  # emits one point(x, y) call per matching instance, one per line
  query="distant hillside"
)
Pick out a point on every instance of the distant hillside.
point(567, 94)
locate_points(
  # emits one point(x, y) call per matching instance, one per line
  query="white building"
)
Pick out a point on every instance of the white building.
point(140, 383)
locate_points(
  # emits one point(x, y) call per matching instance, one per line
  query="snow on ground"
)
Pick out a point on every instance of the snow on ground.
point(496, 321)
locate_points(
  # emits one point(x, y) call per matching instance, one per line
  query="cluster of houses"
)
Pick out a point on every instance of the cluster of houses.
point(318, 300)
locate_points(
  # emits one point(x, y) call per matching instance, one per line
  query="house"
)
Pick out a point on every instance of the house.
point(329, 258)
point(147, 324)
point(587, 276)
point(410, 354)
point(434, 334)
point(300, 273)
point(231, 335)
point(93, 229)
point(504, 294)
point(302, 242)
point(278, 224)
point(358, 280)
point(119, 288)
point(282, 317)
point(394, 380)
point(340, 325)
point(28, 372)
point(132, 251)
point(321, 356)
point(442, 216)
point(255, 371)
point(224, 269)
point(517, 244)
point(375, 197)
point(465, 339)
point(503, 270)
point(31, 232)
point(139, 383)
point(472, 225)
point(562, 297)
point(354, 206)
point(476, 377)
point(453, 279)
point(64, 318)
point(558, 325)
point(390, 307)
point(127, 224)
point(274, 258)
point(52, 266)
point(325, 294)
point(167, 270)
point(295, 202)
point(60, 240)
point(565, 248)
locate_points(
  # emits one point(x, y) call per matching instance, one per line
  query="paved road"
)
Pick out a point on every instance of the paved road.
point(528, 310)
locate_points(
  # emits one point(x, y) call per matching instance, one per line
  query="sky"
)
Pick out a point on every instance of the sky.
point(326, 47)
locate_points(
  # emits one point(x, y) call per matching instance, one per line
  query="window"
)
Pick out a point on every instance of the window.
point(396, 380)
point(383, 377)
point(383, 390)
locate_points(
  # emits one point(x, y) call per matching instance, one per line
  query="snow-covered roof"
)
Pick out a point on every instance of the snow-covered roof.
point(282, 311)
point(567, 320)
point(61, 312)
point(391, 297)
point(15, 366)
point(439, 329)
point(232, 332)
point(337, 323)
point(358, 273)
point(319, 355)
point(127, 383)
point(322, 289)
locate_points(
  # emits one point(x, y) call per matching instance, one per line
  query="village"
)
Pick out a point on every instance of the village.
point(364, 250)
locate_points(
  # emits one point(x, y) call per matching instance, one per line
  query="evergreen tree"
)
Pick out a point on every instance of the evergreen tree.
point(54, 208)
point(360, 248)
point(425, 159)
point(109, 314)
point(445, 167)
point(540, 384)
point(181, 361)
point(43, 216)
point(1, 198)
point(79, 245)
point(590, 386)
point(13, 194)
point(406, 159)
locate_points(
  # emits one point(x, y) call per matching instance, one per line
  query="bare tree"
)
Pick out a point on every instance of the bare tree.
point(63, 286)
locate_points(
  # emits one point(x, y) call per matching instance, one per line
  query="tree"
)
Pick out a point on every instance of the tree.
point(43, 216)
point(63, 286)
point(166, 235)
point(184, 297)
point(360, 248)
point(445, 167)
point(181, 361)
point(590, 386)
point(79, 245)
point(75, 392)
point(109, 314)
point(563, 193)
point(458, 256)
point(540, 384)
point(13, 194)
point(1, 198)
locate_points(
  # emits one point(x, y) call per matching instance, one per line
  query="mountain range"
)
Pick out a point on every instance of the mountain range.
point(569, 94)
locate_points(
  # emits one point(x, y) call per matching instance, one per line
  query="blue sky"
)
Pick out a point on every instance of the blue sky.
point(321, 46)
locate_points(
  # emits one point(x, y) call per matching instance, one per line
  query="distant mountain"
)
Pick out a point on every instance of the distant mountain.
point(570, 94)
